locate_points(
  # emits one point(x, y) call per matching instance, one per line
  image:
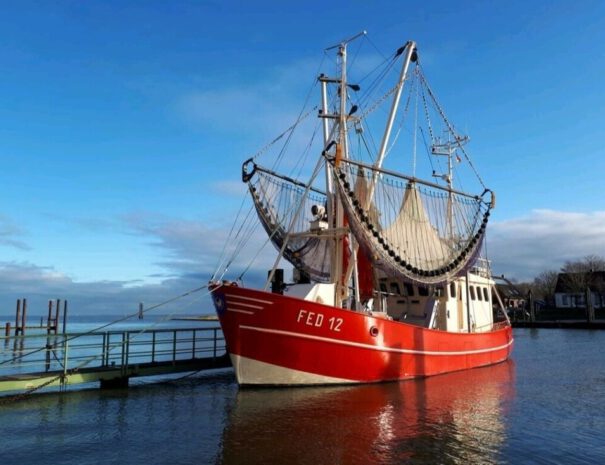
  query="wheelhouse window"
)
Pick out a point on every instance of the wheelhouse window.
point(395, 288)
point(485, 294)
point(453, 290)
point(383, 288)
point(409, 289)
point(472, 291)
point(423, 291)
point(479, 296)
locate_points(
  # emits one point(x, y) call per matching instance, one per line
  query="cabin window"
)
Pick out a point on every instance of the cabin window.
point(479, 296)
point(395, 288)
point(409, 289)
point(383, 288)
point(439, 291)
point(472, 291)
point(423, 291)
point(485, 294)
point(453, 290)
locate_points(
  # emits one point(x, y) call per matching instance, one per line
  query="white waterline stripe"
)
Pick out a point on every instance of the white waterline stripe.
point(241, 304)
point(251, 299)
point(230, 309)
point(373, 347)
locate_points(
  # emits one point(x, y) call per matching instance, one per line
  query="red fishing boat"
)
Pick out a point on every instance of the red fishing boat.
point(389, 278)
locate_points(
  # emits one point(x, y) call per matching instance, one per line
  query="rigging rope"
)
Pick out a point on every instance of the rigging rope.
point(451, 128)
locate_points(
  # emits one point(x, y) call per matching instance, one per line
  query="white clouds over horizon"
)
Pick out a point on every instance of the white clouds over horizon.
point(543, 240)
point(189, 251)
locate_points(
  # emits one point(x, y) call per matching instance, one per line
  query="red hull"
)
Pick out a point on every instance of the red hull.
point(275, 339)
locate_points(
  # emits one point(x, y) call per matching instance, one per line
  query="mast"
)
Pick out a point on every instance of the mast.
point(447, 149)
point(341, 152)
point(410, 56)
point(330, 194)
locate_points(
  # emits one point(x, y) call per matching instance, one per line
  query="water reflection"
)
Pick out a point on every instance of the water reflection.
point(454, 418)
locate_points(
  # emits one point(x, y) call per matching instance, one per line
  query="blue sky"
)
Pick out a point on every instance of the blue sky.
point(123, 126)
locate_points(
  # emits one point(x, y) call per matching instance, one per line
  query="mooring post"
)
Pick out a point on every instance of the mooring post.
point(18, 317)
point(140, 310)
point(64, 315)
point(7, 329)
point(532, 310)
point(50, 315)
point(23, 319)
point(57, 315)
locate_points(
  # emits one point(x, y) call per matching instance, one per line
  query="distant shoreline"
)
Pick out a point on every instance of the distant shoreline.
point(567, 324)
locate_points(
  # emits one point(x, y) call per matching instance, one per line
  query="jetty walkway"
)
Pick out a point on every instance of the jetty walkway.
point(32, 362)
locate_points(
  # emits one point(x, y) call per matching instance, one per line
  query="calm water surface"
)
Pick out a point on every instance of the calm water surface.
point(546, 406)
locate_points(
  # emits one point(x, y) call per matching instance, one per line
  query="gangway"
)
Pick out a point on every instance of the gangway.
point(32, 362)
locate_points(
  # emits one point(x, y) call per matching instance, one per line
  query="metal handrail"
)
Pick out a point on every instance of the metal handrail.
point(116, 349)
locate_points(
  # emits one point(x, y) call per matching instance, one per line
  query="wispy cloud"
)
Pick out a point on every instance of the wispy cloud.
point(194, 248)
point(39, 284)
point(10, 234)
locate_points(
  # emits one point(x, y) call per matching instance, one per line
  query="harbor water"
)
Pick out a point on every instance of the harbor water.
point(545, 406)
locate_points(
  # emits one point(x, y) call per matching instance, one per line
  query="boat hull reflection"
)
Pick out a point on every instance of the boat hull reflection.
point(453, 418)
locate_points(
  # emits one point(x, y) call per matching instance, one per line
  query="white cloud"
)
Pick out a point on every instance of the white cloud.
point(544, 240)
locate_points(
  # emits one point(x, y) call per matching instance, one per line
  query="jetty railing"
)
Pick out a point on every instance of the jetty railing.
point(108, 355)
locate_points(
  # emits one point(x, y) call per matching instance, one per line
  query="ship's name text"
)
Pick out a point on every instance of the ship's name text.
point(318, 320)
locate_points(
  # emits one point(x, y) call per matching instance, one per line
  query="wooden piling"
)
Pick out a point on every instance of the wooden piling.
point(57, 315)
point(7, 329)
point(23, 318)
point(50, 315)
point(18, 318)
point(64, 315)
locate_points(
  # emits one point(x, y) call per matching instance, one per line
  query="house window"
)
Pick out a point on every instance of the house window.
point(565, 300)
point(453, 290)
point(485, 294)
point(472, 291)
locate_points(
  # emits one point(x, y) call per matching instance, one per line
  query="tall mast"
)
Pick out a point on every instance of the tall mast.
point(410, 48)
point(341, 152)
point(447, 149)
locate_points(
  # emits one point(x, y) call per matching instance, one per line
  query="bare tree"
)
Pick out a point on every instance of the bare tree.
point(544, 286)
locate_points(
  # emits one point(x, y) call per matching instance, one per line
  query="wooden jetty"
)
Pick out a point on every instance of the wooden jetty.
point(111, 358)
